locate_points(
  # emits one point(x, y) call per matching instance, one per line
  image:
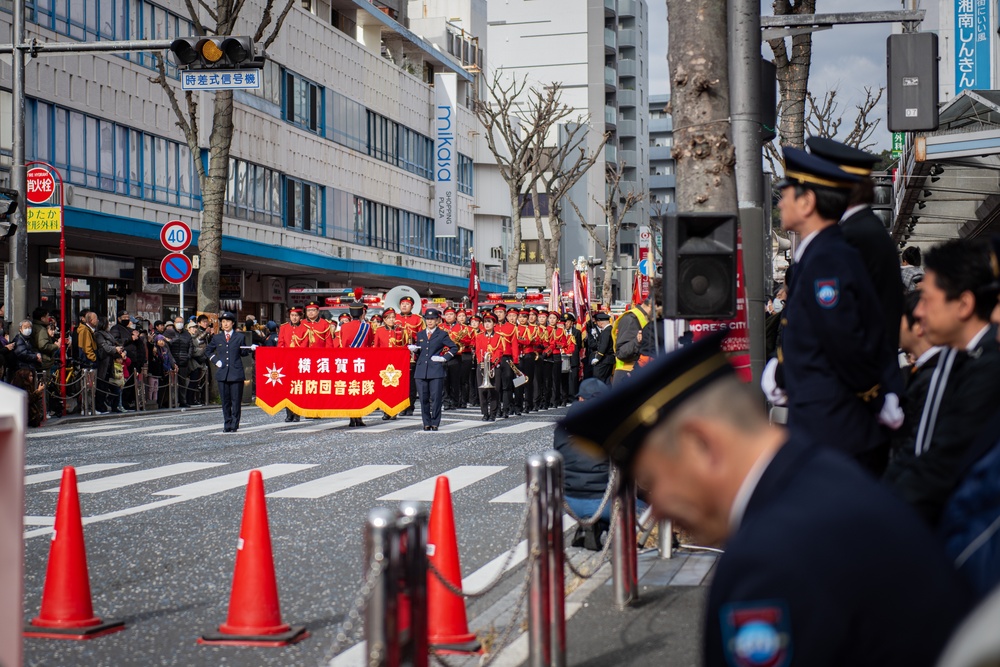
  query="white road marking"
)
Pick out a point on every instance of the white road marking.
point(188, 492)
point(106, 426)
point(34, 467)
point(325, 486)
point(393, 425)
point(52, 475)
point(140, 476)
point(522, 427)
point(192, 429)
point(458, 478)
point(463, 425)
point(316, 428)
point(155, 429)
point(515, 495)
point(39, 521)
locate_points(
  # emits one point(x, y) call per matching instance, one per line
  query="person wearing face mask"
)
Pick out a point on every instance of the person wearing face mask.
point(772, 323)
point(181, 347)
point(24, 349)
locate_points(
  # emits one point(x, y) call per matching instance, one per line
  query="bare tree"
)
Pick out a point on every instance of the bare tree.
point(560, 169)
point(824, 120)
point(617, 206)
point(517, 119)
point(792, 66)
point(699, 99)
point(218, 18)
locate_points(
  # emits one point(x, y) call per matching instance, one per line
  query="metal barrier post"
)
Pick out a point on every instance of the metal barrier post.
point(206, 382)
point(46, 376)
point(89, 394)
point(624, 554)
point(557, 578)
point(380, 611)
point(411, 524)
point(539, 626)
point(665, 539)
point(172, 388)
point(139, 385)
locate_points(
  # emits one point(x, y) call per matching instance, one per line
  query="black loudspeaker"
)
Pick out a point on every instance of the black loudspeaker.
point(699, 277)
point(768, 101)
point(912, 82)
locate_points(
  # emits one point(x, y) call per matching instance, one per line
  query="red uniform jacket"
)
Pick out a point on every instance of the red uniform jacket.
point(319, 333)
point(292, 336)
point(351, 334)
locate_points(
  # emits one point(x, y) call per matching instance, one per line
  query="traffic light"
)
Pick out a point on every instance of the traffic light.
point(201, 53)
point(699, 280)
point(883, 205)
point(8, 204)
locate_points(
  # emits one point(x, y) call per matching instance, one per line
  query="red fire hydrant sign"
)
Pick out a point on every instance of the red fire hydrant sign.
point(332, 382)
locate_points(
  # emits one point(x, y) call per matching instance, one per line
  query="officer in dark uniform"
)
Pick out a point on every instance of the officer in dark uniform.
point(865, 231)
point(603, 361)
point(823, 567)
point(839, 375)
point(224, 351)
point(433, 348)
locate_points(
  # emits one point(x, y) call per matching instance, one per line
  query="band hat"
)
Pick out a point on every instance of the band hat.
point(356, 308)
point(344, 316)
point(649, 396)
point(295, 309)
point(500, 306)
point(406, 298)
point(312, 304)
point(388, 311)
point(802, 168)
point(849, 159)
point(602, 317)
point(449, 309)
point(569, 317)
point(489, 317)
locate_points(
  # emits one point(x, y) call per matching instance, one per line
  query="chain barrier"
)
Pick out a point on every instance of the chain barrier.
point(352, 623)
point(593, 519)
point(605, 555)
point(492, 584)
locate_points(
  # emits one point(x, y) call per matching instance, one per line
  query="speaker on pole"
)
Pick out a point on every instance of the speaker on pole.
point(699, 269)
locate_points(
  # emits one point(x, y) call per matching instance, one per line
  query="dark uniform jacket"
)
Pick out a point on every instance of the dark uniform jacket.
point(605, 355)
point(827, 569)
point(866, 234)
point(438, 344)
point(584, 476)
point(834, 348)
point(229, 353)
point(918, 382)
point(971, 395)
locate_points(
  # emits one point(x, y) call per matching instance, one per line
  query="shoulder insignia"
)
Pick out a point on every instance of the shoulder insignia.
point(828, 292)
point(756, 634)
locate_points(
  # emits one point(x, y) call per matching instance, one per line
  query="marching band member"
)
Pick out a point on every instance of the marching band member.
point(293, 333)
point(453, 367)
point(525, 335)
point(543, 364)
point(466, 350)
point(319, 331)
point(412, 325)
point(389, 334)
point(356, 334)
point(505, 327)
point(475, 328)
point(489, 342)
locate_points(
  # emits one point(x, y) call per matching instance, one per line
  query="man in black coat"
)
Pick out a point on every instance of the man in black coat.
point(822, 566)
point(224, 351)
point(433, 348)
point(865, 232)
point(602, 362)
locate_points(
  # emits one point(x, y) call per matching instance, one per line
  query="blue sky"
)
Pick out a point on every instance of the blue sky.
point(846, 57)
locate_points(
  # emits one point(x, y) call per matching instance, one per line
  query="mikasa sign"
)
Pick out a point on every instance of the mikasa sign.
point(445, 154)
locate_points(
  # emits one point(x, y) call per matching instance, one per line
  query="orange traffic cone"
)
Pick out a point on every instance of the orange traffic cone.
point(254, 613)
point(67, 611)
point(448, 629)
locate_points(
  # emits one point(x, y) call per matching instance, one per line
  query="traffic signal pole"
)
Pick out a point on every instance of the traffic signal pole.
point(744, 104)
point(17, 276)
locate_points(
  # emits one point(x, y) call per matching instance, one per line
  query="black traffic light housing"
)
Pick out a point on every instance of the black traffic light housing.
point(883, 204)
point(8, 204)
point(225, 52)
point(699, 278)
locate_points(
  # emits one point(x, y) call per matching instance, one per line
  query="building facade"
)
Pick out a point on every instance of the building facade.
point(598, 50)
point(662, 179)
point(332, 170)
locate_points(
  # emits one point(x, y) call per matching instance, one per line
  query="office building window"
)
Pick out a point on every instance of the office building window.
point(302, 206)
point(270, 83)
point(253, 193)
point(347, 122)
point(303, 102)
point(465, 174)
point(95, 153)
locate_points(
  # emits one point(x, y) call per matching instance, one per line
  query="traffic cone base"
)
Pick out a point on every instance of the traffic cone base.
point(90, 632)
point(220, 638)
point(454, 648)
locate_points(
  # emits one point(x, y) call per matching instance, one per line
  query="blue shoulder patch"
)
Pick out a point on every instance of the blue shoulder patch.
point(828, 292)
point(756, 634)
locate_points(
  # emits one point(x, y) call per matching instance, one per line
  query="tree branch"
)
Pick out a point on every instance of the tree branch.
point(277, 26)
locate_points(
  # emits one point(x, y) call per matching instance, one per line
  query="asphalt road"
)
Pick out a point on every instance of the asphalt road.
point(164, 496)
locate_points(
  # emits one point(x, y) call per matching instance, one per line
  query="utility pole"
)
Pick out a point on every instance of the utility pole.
point(744, 104)
point(17, 300)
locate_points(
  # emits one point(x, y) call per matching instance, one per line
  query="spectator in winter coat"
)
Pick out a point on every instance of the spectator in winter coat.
point(108, 351)
point(86, 345)
point(46, 346)
point(197, 368)
point(910, 268)
point(7, 360)
point(165, 361)
point(24, 350)
point(180, 348)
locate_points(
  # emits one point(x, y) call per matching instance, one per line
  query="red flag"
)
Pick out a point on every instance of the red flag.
point(580, 304)
point(554, 294)
point(637, 290)
point(473, 283)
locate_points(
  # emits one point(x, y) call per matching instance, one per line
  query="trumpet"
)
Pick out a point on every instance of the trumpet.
point(487, 370)
point(519, 377)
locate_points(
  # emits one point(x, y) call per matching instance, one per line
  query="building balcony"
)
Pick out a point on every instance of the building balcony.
point(627, 8)
point(659, 125)
point(610, 116)
point(610, 78)
point(628, 38)
point(611, 154)
point(610, 40)
point(666, 182)
point(628, 67)
point(610, 7)
point(627, 128)
point(660, 153)
point(628, 158)
point(631, 219)
point(626, 98)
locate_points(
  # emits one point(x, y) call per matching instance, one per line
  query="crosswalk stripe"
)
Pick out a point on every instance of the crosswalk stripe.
point(522, 427)
point(515, 495)
point(462, 425)
point(34, 467)
point(40, 477)
point(234, 480)
point(325, 486)
point(39, 521)
point(106, 426)
point(192, 429)
point(316, 428)
point(263, 427)
point(140, 476)
point(148, 429)
point(458, 478)
point(393, 425)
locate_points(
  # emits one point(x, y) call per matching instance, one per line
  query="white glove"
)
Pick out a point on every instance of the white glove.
point(254, 347)
point(438, 358)
point(769, 383)
point(891, 414)
point(593, 362)
point(413, 348)
point(218, 364)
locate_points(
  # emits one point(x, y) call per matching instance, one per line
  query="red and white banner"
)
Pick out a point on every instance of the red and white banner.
point(332, 382)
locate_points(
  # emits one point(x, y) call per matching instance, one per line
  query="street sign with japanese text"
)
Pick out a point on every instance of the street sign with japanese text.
point(221, 80)
point(41, 185)
point(43, 219)
point(898, 144)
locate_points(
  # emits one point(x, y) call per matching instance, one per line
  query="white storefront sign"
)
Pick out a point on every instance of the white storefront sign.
point(445, 155)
